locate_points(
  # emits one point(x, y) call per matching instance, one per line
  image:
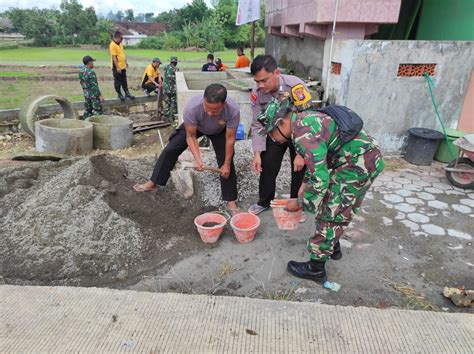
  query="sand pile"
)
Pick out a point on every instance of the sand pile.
point(208, 183)
point(79, 222)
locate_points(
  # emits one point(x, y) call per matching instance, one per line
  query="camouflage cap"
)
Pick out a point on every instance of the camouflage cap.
point(273, 113)
point(174, 59)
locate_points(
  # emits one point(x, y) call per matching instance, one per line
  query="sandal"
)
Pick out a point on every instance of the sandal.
point(140, 189)
point(303, 218)
point(256, 209)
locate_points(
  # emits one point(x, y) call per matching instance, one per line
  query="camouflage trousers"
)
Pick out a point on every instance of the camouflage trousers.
point(92, 106)
point(348, 185)
point(170, 107)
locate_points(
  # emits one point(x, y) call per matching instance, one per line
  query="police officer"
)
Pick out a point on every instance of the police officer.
point(268, 154)
point(169, 91)
point(341, 160)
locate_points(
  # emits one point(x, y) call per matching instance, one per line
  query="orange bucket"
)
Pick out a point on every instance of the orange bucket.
point(211, 233)
point(245, 226)
point(286, 220)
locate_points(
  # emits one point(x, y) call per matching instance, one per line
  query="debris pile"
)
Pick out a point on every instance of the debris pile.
point(79, 222)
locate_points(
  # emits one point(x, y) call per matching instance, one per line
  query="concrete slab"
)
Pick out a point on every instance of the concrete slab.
point(64, 319)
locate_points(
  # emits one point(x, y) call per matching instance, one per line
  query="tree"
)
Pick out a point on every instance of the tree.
point(104, 30)
point(129, 15)
point(149, 16)
point(119, 15)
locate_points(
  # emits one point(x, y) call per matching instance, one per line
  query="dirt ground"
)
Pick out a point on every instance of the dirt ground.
point(78, 222)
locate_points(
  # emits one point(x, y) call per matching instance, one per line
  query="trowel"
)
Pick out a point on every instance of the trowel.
point(183, 179)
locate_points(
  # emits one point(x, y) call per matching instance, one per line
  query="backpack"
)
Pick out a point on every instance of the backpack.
point(348, 122)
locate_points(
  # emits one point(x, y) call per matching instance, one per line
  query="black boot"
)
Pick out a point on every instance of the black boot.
point(122, 97)
point(312, 270)
point(129, 95)
point(337, 254)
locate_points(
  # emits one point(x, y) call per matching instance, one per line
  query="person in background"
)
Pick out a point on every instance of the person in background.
point(152, 81)
point(119, 66)
point(169, 90)
point(216, 116)
point(209, 66)
point(341, 160)
point(220, 65)
point(242, 60)
point(90, 88)
point(268, 154)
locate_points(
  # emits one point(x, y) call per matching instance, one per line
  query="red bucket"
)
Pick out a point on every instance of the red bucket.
point(245, 226)
point(286, 220)
point(210, 234)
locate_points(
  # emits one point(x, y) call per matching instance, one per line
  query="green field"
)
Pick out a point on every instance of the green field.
point(54, 70)
point(73, 56)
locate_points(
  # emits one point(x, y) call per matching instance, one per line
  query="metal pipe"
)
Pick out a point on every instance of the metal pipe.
point(328, 73)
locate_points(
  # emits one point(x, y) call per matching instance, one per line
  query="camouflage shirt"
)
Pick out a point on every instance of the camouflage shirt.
point(169, 79)
point(89, 84)
point(316, 138)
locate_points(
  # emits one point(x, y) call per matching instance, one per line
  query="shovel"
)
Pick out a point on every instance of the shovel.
point(183, 179)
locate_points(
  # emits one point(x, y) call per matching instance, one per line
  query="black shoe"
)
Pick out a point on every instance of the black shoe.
point(337, 254)
point(122, 97)
point(312, 270)
point(129, 95)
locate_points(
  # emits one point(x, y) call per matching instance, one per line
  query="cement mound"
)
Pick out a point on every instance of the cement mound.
point(78, 222)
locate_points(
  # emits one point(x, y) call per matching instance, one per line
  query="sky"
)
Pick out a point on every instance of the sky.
point(103, 6)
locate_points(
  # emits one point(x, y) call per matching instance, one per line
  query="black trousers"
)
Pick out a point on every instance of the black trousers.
point(177, 144)
point(150, 87)
point(271, 164)
point(120, 80)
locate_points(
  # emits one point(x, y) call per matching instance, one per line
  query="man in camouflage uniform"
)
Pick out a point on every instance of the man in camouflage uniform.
point(90, 89)
point(169, 91)
point(339, 172)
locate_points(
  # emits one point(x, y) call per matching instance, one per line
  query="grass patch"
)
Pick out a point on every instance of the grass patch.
point(136, 57)
point(281, 295)
point(226, 269)
point(416, 301)
point(16, 74)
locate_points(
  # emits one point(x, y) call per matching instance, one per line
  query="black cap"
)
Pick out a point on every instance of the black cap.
point(87, 59)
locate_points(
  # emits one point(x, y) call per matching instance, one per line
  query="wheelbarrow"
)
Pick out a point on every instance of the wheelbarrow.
point(460, 172)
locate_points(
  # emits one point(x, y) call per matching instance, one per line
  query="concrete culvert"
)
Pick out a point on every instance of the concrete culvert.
point(112, 132)
point(63, 136)
point(29, 110)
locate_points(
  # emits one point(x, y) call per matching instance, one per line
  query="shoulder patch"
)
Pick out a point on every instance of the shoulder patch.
point(253, 98)
point(301, 96)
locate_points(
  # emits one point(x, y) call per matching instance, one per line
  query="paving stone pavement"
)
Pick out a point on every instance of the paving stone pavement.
point(424, 200)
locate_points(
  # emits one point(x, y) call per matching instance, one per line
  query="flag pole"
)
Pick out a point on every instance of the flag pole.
point(252, 40)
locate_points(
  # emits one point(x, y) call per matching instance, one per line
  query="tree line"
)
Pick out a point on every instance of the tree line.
point(194, 25)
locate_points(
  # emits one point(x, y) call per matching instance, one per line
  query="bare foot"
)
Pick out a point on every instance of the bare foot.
point(145, 187)
point(233, 208)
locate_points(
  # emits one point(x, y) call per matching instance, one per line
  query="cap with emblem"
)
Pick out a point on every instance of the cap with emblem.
point(273, 113)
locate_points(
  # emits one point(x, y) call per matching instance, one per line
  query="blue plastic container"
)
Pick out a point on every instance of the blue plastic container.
point(240, 134)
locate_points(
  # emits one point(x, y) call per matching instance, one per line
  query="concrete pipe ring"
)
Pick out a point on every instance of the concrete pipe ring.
point(32, 104)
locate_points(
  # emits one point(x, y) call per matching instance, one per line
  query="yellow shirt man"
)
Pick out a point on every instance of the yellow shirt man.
point(150, 73)
point(117, 50)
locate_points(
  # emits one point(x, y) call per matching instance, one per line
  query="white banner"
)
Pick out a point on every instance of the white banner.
point(248, 11)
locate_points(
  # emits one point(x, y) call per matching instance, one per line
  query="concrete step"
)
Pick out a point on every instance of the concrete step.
point(67, 319)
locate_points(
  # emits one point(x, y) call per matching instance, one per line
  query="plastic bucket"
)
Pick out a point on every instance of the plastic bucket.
point(245, 226)
point(286, 220)
point(210, 234)
point(422, 145)
point(443, 154)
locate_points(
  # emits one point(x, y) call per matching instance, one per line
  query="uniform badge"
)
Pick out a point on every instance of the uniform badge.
point(253, 98)
point(301, 97)
point(221, 122)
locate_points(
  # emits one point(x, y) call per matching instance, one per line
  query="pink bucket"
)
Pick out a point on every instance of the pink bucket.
point(286, 220)
point(245, 226)
point(210, 234)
